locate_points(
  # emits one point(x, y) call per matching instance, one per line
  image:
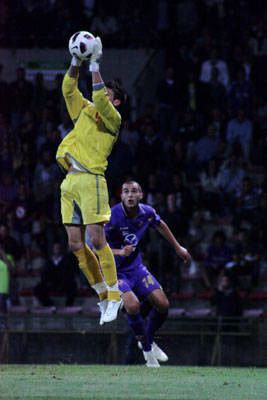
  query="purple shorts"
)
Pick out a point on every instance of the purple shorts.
point(138, 280)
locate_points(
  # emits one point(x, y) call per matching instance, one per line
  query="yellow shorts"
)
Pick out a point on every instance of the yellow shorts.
point(84, 199)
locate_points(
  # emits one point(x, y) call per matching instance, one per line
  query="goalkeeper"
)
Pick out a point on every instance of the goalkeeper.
point(83, 156)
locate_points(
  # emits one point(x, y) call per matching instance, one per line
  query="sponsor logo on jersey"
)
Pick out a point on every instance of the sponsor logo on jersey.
point(131, 240)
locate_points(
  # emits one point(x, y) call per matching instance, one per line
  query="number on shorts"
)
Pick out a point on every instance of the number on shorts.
point(148, 280)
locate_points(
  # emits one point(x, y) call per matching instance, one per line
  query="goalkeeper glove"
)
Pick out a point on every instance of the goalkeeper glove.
point(96, 55)
point(76, 62)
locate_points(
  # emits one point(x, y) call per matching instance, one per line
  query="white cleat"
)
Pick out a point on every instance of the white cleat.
point(111, 313)
point(158, 353)
point(151, 360)
point(102, 307)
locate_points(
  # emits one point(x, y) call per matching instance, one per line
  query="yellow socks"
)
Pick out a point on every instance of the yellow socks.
point(109, 271)
point(89, 265)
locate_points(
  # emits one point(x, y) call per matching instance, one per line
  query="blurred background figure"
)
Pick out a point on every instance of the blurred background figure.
point(226, 300)
point(58, 274)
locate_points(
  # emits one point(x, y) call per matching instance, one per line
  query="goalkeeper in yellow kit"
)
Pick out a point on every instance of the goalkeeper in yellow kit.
point(83, 155)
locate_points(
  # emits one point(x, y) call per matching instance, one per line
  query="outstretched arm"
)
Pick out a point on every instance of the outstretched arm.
point(165, 231)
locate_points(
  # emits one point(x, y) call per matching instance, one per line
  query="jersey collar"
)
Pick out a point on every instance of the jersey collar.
point(141, 211)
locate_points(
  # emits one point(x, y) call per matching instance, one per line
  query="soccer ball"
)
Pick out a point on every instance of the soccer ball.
point(81, 45)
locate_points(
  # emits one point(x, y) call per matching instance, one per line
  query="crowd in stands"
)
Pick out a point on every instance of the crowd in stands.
point(199, 150)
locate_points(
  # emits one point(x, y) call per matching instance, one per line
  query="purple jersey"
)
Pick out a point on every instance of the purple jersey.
point(122, 231)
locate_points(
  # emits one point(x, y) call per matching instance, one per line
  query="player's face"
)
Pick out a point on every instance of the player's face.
point(131, 195)
point(110, 95)
point(115, 102)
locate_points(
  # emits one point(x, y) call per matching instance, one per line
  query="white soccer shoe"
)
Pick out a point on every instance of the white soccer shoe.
point(158, 353)
point(102, 307)
point(112, 309)
point(151, 360)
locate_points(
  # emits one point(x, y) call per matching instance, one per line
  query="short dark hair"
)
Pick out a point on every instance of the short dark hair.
point(116, 86)
point(130, 182)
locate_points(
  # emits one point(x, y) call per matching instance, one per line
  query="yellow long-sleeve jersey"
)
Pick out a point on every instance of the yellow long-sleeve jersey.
point(96, 129)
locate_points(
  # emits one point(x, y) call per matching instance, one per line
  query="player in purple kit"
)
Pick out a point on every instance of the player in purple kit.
point(129, 220)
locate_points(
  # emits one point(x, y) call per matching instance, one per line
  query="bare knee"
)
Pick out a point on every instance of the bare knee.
point(75, 245)
point(159, 301)
point(97, 242)
point(162, 306)
point(76, 237)
point(97, 236)
point(132, 307)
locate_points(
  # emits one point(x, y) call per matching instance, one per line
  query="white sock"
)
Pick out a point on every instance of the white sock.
point(100, 287)
point(112, 288)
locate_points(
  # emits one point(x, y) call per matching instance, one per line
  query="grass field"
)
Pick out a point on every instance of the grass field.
point(101, 382)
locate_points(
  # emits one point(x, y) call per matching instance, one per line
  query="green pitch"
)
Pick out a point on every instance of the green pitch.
point(101, 382)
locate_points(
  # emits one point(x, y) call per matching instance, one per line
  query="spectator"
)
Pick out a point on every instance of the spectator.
point(120, 162)
point(23, 216)
point(129, 136)
point(20, 97)
point(54, 231)
point(58, 273)
point(226, 300)
point(261, 114)
point(44, 175)
point(218, 255)
point(8, 193)
point(194, 91)
point(4, 96)
point(187, 17)
point(106, 25)
point(6, 266)
point(45, 127)
point(208, 65)
point(3, 23)
point(241, 94)
point(240, 130)
point(151, 186)
point(8, 143)
point(167, 97)
point(262, 218)
point(39, 93)
point(231, 180)
point(189, 129)
point(177, 222)
point(8, 243)
point(88, 8)
point(51, 142)
point(55, 99)
point(146, 117)
point(23, 166)
point(210, 184)
point(194, 240)
point(238, 268)
point(149, 150)
point(204, 149)
point(175, 159)
point(66, 125)
point(246, 258)
point(247, 203)
point(217, 118)
point(182, 208)
point(216, 93)
point(27, 131)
